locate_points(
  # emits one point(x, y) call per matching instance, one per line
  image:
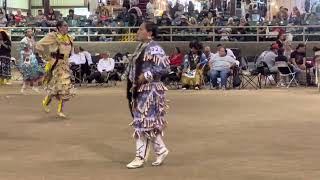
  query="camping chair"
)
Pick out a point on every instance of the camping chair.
point(249, 73)
point(264, 71)
point(76, 73)
point(173, 78)
point(284, 72)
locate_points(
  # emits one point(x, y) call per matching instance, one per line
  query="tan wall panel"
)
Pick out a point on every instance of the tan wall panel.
point(19, 4)
point(67, 3)
point(36, 2)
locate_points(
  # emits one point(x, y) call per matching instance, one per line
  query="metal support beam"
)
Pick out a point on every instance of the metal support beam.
point(46, 6)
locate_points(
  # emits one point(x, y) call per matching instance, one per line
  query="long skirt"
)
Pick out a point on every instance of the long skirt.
point(149, 109)
point(5, 67)
point(60, 84)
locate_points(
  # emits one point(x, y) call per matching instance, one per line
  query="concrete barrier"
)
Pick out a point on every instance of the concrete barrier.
point(247, 49)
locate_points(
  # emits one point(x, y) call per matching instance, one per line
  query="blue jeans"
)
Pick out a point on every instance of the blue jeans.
point(224, 74)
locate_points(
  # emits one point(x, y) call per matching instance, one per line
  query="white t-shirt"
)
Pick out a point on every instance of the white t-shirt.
point(229, 53)
point(88, 56)
point(106, 65)
point(77, 58)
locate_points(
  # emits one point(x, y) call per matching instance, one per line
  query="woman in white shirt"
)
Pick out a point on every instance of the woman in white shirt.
point(104, 68)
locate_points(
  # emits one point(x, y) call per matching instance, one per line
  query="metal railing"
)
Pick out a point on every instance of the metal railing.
point(180, 33)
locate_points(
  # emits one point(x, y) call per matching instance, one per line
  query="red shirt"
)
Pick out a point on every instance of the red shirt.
point(18, 18)
point(176, 60)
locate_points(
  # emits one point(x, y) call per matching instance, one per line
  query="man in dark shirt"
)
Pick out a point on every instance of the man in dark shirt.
point(298, 57)
point(298, 61)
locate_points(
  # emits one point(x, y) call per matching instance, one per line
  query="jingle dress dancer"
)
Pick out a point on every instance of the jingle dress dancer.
point(58, 75)
point(5, 58)
point(147, 96)
point(28, 65)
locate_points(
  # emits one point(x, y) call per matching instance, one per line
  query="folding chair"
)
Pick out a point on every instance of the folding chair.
point(249, 73)
point(266, 73)
point(285, 71)
point(229, 80)
point(76, 74)
point(173, 79)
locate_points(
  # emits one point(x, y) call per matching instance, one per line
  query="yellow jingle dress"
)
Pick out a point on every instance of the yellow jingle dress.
point(60, 46)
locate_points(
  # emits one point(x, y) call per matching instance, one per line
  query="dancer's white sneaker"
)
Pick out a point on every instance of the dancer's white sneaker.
point(61, 115)
point(160, 158)
point(136, 163)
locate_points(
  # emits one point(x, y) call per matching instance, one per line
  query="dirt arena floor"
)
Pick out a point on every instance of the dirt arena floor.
point(268, 134)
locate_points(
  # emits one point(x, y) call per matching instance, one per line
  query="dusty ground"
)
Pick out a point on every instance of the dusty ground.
point(232, 135)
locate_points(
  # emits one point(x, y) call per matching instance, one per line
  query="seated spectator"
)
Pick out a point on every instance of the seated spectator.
point(51, 18)
point(11, 21)
point(50, 15)
point(242, 29)
point(281, 40)
point(179, 12)
point(72, 19)
point(247, 17)
point(19, 18)
point(220, 66)
point(278, 29)
point(298, 62)
point(82, 58)
point(181, 21)
point(165, 20)
point(41, 19)
point(53, 21)
point(288, 49)
point(59, 17)
point(104, 68)
point(209, 55)
point(193, 21)
point(204, 13)
point(206, 22)
point(295, 16)
point(219, 20)
point(176, 58)
point(86, 68)
point(317, 57)
point(3, 19)
point(124, 16)
point(207, 52)
point(72, 16)
point(212, 19)
point(103, 32)
point(316, 51)
point(150, 11)
point(227, 30)
point(268, 59)
point(281, 57)
point(298, 57)
point(29, 19)
point(94, 18)
point(229, 51)
point(194, 61)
